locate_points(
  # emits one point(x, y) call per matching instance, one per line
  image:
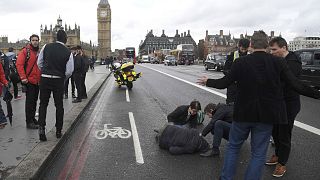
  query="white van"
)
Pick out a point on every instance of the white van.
point(145, 59)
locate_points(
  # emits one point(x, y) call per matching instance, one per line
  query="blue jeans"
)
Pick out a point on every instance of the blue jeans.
point(221, 130)
point(260, 136)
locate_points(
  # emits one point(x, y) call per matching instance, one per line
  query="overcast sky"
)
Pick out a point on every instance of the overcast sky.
point(131, 19)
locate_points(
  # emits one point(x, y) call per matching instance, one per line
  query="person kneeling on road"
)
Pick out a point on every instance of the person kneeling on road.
point(186, 115)
point(180, 140)
point(221, 118)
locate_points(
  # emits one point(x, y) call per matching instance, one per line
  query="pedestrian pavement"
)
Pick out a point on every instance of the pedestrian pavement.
point(17, 142)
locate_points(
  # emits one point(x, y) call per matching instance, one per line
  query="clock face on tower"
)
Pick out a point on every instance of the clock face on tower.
point(103, 13)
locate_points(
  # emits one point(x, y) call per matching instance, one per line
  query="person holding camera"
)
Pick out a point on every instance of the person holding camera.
point(30, 77)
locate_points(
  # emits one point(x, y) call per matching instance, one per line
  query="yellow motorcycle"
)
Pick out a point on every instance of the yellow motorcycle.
point(125, 74)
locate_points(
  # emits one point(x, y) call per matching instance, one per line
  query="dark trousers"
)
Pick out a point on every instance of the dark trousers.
point(66, 85)
point(282, 132)
point(31, 102)
point(84, 88)
point(56, 86)
point(221, 130)
point(78, 81)
point(15, 89)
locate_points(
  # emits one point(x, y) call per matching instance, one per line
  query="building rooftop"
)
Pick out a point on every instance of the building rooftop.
point(103, 2)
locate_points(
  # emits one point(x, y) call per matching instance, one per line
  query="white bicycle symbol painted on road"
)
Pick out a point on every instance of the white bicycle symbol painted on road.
point(112, 132)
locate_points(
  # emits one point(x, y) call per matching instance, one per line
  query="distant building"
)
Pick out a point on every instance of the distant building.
point(221, 43)
point(48, 35)
point(17, 46)
point(119, 54)
point(153, 43)
point(304, 42)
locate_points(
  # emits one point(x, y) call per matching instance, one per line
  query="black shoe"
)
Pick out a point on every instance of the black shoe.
point(76, 101)
point(32, 126)
point(73, 95)
point(211, 152)
point(42, 134)
point(58, 134)
point(84, 97)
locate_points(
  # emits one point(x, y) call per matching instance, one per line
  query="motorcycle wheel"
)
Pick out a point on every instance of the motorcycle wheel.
point(129, 85)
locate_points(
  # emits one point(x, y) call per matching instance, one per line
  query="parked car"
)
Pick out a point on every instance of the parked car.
point(215, 61)
point(310, 59)
point(170, 60)
point(154, 60)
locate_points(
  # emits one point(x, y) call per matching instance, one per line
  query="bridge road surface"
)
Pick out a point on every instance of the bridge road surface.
point(152, 98)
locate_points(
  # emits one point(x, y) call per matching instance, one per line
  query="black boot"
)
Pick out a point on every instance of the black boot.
point(42, 134)
point(32, 126)
point(58, 133)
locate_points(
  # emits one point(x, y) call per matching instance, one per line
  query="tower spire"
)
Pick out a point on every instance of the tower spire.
point(103, 2)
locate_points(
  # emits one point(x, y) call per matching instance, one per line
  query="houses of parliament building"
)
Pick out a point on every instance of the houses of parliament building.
point(48, 35)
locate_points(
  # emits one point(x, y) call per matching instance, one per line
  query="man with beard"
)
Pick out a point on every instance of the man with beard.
point(282, 132)
point(30, 76)
point(259, 104)
point(243, 46)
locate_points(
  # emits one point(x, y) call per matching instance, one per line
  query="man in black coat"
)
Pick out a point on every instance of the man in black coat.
point(78, 74)
point(282, 132)
point(179, 140)
point(221, 116)
point(185, 115)
point(243, 46)
point(259, 104)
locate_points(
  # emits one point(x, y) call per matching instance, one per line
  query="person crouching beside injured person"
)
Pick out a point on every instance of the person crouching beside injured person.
point(221, 118)
point(185, 115)
point(180, 140)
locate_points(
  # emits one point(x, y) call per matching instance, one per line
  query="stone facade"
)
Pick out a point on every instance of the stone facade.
point(17, 46)
point(48, 35)
point(303, 43)
point(153, 43)
point(104, 29)
point(224, 44)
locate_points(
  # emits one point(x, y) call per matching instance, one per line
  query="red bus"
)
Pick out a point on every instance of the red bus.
point(131, 54)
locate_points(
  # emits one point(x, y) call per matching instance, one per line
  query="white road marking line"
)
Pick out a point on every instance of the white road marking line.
point(127, 96)
point(193, 84)
point(136, 142)
point(307, 127)
point(296, 123)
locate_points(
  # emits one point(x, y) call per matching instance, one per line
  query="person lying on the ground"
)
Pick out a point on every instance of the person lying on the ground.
point(185, 115)
point(179, 140)
point(221, 116)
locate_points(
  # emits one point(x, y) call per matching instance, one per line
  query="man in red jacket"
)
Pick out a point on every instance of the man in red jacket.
point(4, 82)
point(30, 76)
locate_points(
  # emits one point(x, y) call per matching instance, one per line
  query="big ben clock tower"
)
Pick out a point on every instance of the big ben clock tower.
point(104, 29)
